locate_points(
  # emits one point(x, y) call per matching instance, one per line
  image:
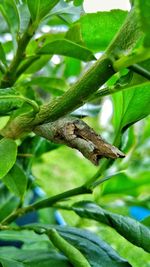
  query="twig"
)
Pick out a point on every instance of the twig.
point(138, 69)
point(10, 76)
point(46, 203)
point(129, 60)
point(26, 65)
point(77, 95)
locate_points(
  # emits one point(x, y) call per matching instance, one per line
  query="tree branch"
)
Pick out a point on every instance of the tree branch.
point(89, 83)
point(77, 95)
point(100, 72)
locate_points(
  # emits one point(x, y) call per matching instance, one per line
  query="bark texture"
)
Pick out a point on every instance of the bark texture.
point(75, 133)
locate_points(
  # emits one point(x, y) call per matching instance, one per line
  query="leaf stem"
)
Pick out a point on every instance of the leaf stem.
point(10, 76)
point(126, 61)
point(25, 99)
point(107, 91)
point(138, 69)
point(26, 65)
point(46, 203)
point(91, 183)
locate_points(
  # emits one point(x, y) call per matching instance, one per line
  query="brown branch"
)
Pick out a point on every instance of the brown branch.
point(77, 134)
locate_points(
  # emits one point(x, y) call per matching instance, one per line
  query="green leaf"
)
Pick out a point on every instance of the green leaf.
point(9, 204)
point(39, 8)
point(97, 29)
point(143, 9)
point(75, 35)
point(118, 184)
point(67, 48)
point(32, 258)
point(3, 121)
point(8, 47)
point(72, 67)
point(78, 2)
point(75, 257)
point(23, 236)
point(16, 181)
point(145, 64)
point(2, 55)
point(24, 15)
point(10, 263)
point(96, 251)
point(89, 110)
point(131, 105)
point(11, 15)
point(50, 84)
point(67, 14)
point(38, 64)
point(36, 145)
point(121, 183)
point(146, 221)
point(130, 229)
point(8, 153)
point(8, 101)
point(64, 172)
point(130, 140)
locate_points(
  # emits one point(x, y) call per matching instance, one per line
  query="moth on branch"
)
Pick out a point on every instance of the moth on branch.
point(75, 133)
